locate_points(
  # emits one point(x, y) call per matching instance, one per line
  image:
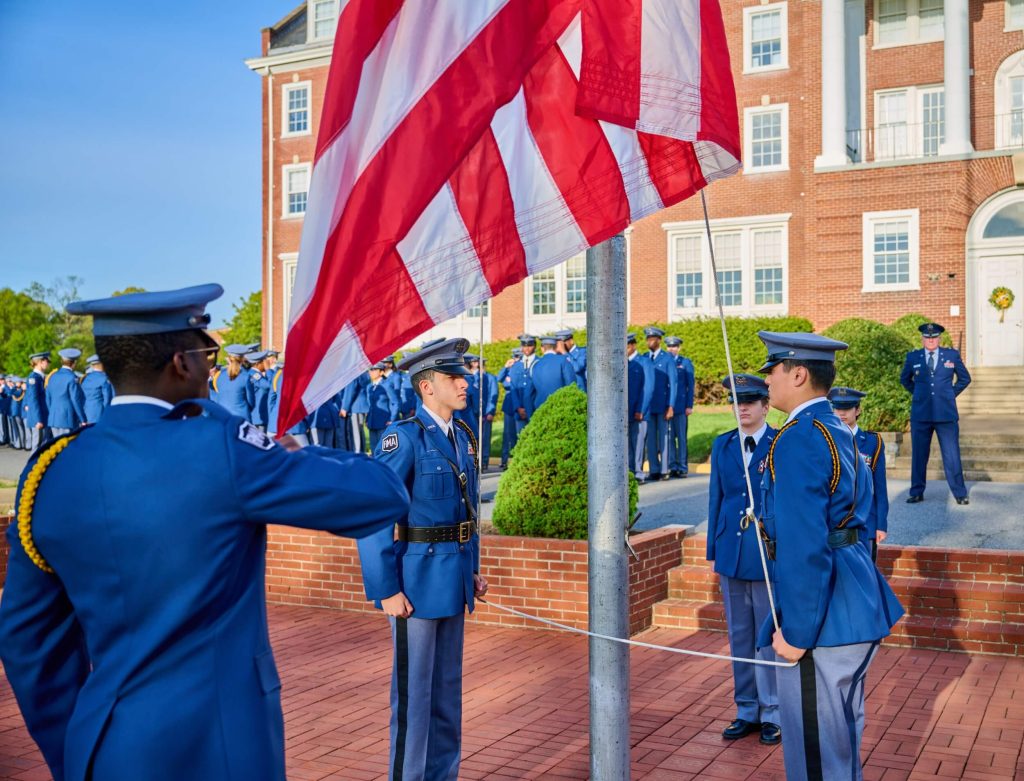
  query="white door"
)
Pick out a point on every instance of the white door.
point(1001, 343)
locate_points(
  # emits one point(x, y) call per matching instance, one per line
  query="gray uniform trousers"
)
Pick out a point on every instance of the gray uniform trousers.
point(325, 437)
point(677, 453)
point(357, 439)
point(37, 436)
point(746, 609)
point(637, 446)
point(426, 698)
point(657, 443)
point(58, 431)
point(822, 707)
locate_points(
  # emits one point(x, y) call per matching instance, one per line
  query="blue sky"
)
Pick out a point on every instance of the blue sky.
point(131, 138)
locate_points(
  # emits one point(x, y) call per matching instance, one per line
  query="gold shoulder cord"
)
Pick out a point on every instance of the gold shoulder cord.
point(771, 448)
point(28, 498)
point(469, 432)
point(878, 452)
point(833, 451)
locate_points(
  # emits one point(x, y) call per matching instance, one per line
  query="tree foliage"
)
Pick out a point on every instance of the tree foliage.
point(36, 320)
point(246, 324)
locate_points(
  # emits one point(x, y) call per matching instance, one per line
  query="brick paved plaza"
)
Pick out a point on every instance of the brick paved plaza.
point(930, 714)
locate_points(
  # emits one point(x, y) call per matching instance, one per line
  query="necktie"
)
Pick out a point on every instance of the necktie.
point(749, 444)
point(451, 438)
point(931, 362)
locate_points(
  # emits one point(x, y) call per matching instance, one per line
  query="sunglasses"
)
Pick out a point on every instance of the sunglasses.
point(211, 354)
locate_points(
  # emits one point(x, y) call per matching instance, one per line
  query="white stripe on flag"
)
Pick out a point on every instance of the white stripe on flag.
point(439, 255)
point(715, 162)
point(546, 226)
point(344, 354)
point(670, 68)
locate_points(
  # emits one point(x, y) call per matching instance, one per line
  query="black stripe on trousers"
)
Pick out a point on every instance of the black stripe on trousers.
point(809, 706)
point(402, 673)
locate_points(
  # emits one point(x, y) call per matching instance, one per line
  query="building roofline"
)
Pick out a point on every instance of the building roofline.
point(287, 17)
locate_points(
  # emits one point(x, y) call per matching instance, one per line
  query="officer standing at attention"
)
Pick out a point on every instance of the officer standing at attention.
point(96, 389)
point(934, 376)
point(258, 389)
point(638, 382)
point(233, 382)
point(300, 432)
point(425, 581)
point(178, 680)
point(678, 453)
point(732, 546)
point(19, 434)
point(383, 404)
point(663, 396)
point(34, 407)
point(834, 606)
point(5, 411)
point(577, 356)
point(355, 404)
point(521, 375)
point(325, 423)
point(846, 403)
point(550, 373)
point(64, 399)
point(509, 407)
point(478, 379)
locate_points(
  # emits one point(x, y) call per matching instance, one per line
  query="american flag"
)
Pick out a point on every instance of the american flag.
point(467, 144)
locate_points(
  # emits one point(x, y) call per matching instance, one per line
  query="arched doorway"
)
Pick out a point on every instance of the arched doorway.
point(995, 259)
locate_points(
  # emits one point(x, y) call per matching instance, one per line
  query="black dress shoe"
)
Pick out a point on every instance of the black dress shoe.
point(770, 734)
point(740, 729)
point(963, 500)
point(653, 477)
point(914, 499)
point(675, 473)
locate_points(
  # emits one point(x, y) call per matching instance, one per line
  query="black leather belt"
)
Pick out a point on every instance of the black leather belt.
point(460, 532)
point(840, 538)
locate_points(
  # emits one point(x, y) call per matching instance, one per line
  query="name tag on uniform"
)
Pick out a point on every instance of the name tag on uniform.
point(948, 364)
point(761, 465)
point(389, 443)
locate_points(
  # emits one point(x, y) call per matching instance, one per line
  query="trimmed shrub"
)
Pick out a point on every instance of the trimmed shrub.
point(544, 491)
point(907, 326)
point(873, 364)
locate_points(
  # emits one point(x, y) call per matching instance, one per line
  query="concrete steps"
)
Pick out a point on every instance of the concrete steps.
point(970, 601)
point(988, 392)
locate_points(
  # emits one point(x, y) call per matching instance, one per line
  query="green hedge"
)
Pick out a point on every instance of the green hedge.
point(544, 491)
point(873, 364)
point(907, 326)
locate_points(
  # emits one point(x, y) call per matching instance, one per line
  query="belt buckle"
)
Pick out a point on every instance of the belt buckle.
point(465, 531)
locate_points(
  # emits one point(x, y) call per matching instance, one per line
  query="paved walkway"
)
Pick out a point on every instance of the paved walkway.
point(930, 714)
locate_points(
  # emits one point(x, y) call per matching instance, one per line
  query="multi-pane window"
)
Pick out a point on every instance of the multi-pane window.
point(930, 20)
point(1009, 94)
point(933, 121)
point(576, 284)
point(480, 310)
point(891, 247)
point(909, 122)
point(766, 39)
point(891, 136)
point(289, 265)
point(766, 130)
point(1017, 111)
point(325, 18)
point(899, 22)
point(543, 293)
point(689, 274)
point(767, 252)
point(296, 103)
point(729, 262)
point(296, 189)
point(892, 21)
point(1014, 14)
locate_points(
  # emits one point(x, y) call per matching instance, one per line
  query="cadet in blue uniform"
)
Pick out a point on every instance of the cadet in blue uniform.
point(935, 376)
point(64, 400)
point(96, 390)
point(551, 372)
point(383, 404)
point(326, 427)
point(732, 546)
point(662, 396)
point(19, 434)
point(509, 407)
point(133, 630)
point(232, 383)
point(834, 606)
point(678, 453)
point(577, 356)
point(257, 389)
point(355, 404)
point(301, 430)
point(394, 380)
point(521, 377)
point(481, 379)
point(846, 403)
point(34, 406)
point(638, 399)
point(427, 578)
point(5, 411)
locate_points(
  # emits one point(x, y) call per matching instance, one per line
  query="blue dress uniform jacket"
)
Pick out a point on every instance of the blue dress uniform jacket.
point(578, 358)
point(147, 654)
point(436, 578)
point(521, 381)
point(383, 404)
point(825, 596)
point(232, 394)
point(408, 397)
point(274, 407)
point(872, 449)
point(256, 393)
point(664, 381)
point(34, 405)
point(64, 399)
point(550, 373)
point(354, 398)
point(685, 384)
point(634, 389)
point(734, 549)
point(98, 392)
point(934, 395)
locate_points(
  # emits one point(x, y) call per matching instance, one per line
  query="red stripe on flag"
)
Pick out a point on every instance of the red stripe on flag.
point(610, 69)
point(484, 200)
point(360, 28)
point(363, 279)
point(575, 150)
point(673, 166)
point(719, 116)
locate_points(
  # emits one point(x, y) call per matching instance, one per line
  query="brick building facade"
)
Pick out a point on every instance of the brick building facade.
point(883, 145)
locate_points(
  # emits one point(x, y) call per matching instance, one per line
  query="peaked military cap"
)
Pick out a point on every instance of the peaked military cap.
point(252, 347)
point(35, 356)
point(237, 350)
point(548, 341)
point(379, 366)
point(845, 398)
point(527, 339)
point(798, 347)
point(631, 338)
point(517, 352)
point(673, 341)
point(565, 333)
point(149, 313)
point(388, 360)
point(256, 357)
point(748, 387)
point(93, 359)
point(653, 331)
point(930, 330)
point(470, 357)
point(70, 353)
point(443, 355)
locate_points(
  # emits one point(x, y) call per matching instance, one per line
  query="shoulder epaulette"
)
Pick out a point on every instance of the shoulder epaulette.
point(878, 450)
point(46, 382)
point(277, 379)
point(216, 376)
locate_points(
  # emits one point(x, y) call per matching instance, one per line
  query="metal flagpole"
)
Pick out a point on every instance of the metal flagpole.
point(607, 509)
point(480, 422)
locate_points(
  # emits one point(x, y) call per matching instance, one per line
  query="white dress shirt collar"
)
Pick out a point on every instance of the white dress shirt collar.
point(130, 399)
point(801, 407)
point(445, 427)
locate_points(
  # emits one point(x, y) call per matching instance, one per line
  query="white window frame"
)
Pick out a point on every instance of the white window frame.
point(286, 90)
point(747, 227)
point(1011, 67)
point(915, 124)
point(748, 137)
point(869, 219)
point(748, 41)
point(285, 192)
point(561, 318)
point(311, 35)
point(289, 266)
point(913, 35)
point(1010, 25)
